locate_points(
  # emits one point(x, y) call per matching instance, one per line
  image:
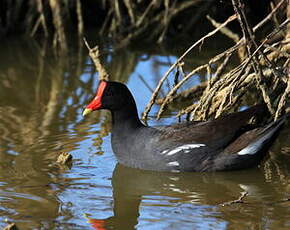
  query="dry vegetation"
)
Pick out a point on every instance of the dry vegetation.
point(264, 66)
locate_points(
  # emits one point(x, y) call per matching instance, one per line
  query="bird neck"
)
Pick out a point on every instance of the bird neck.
point(126, 119)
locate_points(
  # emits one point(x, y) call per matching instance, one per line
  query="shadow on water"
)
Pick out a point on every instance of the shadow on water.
point(41, 100)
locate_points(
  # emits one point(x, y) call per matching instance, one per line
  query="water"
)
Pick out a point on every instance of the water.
point(41, 101)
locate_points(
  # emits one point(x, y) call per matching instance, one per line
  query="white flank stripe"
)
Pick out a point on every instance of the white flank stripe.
point(173, 163)
point(250, 150)
point(164, 151)
point(186, 147)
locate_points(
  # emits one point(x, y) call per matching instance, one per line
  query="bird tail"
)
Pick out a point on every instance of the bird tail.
point(265, 136)
point(253, 151)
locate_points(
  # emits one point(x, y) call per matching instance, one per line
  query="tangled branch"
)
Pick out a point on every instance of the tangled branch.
point(264, 68)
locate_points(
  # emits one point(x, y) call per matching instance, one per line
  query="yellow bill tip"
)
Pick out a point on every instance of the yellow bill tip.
point(87, 111)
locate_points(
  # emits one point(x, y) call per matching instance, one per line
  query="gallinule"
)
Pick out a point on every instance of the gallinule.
point(226, 143)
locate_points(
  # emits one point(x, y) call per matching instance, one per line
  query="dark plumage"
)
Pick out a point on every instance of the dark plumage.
point(226, 143)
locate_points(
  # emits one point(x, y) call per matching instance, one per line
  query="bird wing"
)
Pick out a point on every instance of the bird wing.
point(215, 134)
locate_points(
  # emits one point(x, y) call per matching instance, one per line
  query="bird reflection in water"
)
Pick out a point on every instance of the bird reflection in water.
point(204, 192)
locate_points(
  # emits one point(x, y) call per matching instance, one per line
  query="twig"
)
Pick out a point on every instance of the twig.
point(189, 93)
point(209, 74)
point(140, 20)
point(231, 18)
point(106, 21)
point(129, 5)
point(80, 18)
point(220, 69)
point(166, 19)
point(41, 20)
point(95, 54)
point(186, 110)
point(283, 99)
point(198, 14)
point(175, 88)
point(145, 83)
point(224, 30)
point(59, 25)
point(249, 36)
point(240, 200)
point(269, 16)
point(237, 201)
point(277, 52)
